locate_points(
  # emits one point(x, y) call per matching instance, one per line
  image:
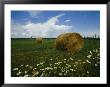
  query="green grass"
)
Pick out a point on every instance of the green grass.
point(30, 59)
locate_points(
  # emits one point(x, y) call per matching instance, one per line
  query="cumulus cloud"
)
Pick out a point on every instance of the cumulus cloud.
point(18, 31)
point(67, 20)
point(48, 29)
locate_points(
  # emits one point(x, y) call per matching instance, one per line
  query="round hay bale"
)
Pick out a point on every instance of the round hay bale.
point(70, 42)
point(39, 40)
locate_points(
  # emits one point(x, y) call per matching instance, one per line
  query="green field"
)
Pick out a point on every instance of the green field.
point(30, 59)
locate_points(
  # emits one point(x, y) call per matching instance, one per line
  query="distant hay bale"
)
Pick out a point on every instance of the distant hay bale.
point(70, 42)
point(39, 40)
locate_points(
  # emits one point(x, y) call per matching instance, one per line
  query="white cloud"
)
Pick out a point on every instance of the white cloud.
point(17, 30)
point(33, 13)
point(67, 20)
point(54, 20)
point(48, 29)
point(23, 34)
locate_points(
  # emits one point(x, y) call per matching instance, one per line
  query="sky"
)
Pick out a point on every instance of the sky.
point(50, 24)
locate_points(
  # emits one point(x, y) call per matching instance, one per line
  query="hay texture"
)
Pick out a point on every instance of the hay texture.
point(70, 42)
point(39, 40)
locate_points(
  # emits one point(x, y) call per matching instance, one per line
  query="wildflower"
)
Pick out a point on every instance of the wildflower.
point(62, 70)
point(35, 68)
point(88, 61)
point(46, 75)
point(93, 58)
point(15, 69)
point(68, 65)
point(80, 63)
point(21, 65)
point(35, 73)
point(42, 74)
point(74, 65)
point(55, 63)
point(87, 72)
point(51, 59)
point(41, 69)
point(98, 62)
point(71, 58)
point(47, 68)
point(98, 54)
point(89, 56)
point(74, 70)
point(25, 72)
point(96, 65)
point(30, 67)
point(38, 64)
point(59, 62)
point(93, 50)
point(50, 64)
point(83, 74)
point(83, 62)
point(55, 67)
point(26, 65)
point(41, 63)
point(18, 73)
point(96, 50)
point(60, 74)
point(64, 59)
point(64, 74)
point(90, 52)
point(71, 69)
point(66, 71)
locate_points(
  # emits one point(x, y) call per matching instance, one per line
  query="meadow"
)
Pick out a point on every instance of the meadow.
point(30, 59)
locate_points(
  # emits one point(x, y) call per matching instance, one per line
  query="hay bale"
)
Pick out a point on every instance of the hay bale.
point(70, 42)
point(39, 40)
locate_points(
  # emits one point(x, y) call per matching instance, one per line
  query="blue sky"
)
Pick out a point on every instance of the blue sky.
point(50, 24)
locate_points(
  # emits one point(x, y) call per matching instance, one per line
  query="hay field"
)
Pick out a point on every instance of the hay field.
point(29, 59)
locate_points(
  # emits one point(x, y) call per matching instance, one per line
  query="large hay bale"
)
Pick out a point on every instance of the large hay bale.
point(39, 40)
point(70, 42)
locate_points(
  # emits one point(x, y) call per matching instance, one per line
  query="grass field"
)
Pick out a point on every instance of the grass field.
point(30, 59)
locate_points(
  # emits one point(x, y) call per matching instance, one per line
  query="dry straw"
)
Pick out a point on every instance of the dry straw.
point(70, 42)
point(39, 40)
